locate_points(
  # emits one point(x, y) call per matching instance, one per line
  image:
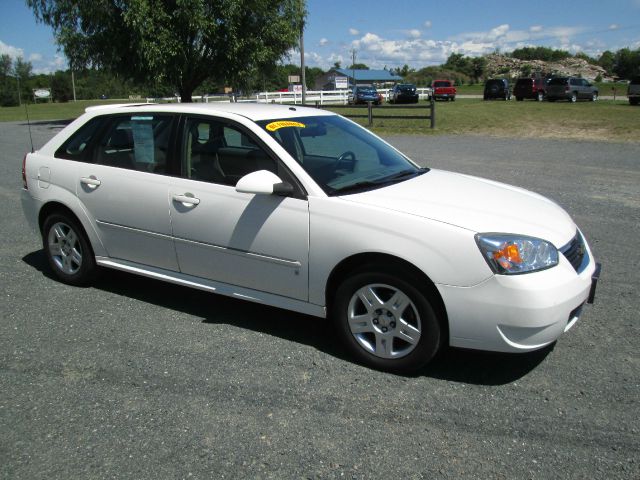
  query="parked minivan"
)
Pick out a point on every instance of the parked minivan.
point(572, 89)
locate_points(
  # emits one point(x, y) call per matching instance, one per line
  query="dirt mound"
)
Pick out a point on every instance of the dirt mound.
point(501, 66)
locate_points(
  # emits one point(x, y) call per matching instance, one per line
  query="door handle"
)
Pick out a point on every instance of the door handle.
point(187, 199)
point(91, 181)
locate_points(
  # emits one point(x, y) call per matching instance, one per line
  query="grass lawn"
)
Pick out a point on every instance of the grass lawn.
point(52, 111)
point(603, 120)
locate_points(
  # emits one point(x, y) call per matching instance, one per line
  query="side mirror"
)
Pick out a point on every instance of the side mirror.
point(263, 182)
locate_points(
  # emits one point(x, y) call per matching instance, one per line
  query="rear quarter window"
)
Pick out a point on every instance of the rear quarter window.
point(76, 146)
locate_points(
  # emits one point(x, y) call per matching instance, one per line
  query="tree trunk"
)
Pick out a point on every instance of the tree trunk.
point(185, 95)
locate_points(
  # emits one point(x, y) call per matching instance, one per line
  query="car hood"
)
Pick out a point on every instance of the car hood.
point(475, 204)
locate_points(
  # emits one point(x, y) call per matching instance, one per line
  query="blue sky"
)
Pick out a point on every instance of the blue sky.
point(394, 32)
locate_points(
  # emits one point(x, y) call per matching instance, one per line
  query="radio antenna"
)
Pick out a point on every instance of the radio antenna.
point(26, 110)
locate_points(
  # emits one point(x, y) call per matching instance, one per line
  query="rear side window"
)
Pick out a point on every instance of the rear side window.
point(75, 148)
point(136, 142)
point(558, 81)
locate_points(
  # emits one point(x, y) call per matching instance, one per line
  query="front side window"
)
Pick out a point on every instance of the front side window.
point(339, 155)
point(218, 152)
point(136, 142)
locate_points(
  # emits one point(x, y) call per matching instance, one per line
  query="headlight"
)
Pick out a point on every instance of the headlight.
point(511, 254)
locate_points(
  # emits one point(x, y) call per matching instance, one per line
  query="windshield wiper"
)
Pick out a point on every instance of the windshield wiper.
point(402, 174)
point(357, 186)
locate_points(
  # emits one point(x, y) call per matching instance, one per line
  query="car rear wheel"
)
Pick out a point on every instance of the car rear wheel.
point(385, 322)
point(634, 101)
point(594, 97)
point(68, 250)
point(540, 96)
point(573, 98)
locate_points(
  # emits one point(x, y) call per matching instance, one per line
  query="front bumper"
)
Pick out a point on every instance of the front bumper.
point(519, 313)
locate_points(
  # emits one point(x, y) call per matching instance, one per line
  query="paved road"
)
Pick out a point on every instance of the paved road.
point(137, 379)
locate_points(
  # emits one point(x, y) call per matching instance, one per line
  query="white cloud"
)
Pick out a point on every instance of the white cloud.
point(414, 33)
point(614, 26)
point(323, 42)
point(428, 24)
point(35, 57)
point(353, 31)
point(13, 52)
point(535, 28)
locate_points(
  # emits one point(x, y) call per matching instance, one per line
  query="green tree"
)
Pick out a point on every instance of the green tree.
point(478, 66)
point(61, 89)
point(627, 63)
point(22, 71)
point(358, 66)
point(607, 61)
point(8, 84)
point(175, 42)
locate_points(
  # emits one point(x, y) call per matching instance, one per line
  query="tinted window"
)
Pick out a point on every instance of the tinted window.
point(136, 142)
point(441, 84)
point(558, 81)
point(75, 147)
point(218, 152)
point(635, 81)
point(523, 82)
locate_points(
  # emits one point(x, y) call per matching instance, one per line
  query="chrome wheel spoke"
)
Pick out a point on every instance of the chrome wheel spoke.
point(76, 257)
point(55, 249)
point(369, 298)
point(59, 232)
point(408, 333)
point(360, 324)
point(384, 346)
point(398, 303)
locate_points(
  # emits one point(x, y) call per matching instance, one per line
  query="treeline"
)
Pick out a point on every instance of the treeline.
point(17, 80)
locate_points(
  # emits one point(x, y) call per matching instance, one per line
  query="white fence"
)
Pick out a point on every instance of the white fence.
point(323, 97)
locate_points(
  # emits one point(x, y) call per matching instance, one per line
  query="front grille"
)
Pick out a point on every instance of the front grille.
point(575, 251)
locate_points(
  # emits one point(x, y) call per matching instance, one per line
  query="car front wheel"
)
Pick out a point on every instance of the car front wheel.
point(385, 322)
point(573, 98)
point(68, 250)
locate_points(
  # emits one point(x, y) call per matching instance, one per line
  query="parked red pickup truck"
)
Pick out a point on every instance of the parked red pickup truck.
point(443, 90)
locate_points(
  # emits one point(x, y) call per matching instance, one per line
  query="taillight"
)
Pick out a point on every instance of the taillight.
point(24, 172)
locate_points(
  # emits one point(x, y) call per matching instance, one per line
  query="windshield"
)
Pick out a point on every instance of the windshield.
point(339, 155)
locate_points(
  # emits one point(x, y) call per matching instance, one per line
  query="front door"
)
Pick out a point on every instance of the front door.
point(259, 242)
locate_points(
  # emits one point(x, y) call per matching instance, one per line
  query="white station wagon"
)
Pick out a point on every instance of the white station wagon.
point(305, 210)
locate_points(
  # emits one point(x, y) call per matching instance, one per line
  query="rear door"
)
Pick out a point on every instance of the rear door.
point(259, 242)
point(124, 188)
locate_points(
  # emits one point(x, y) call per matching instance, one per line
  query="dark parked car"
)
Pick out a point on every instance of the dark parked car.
point(497, 88)
point(633, 92)
point(363, 94)
point(572, 89)
point(403, 93)
point(534, 88)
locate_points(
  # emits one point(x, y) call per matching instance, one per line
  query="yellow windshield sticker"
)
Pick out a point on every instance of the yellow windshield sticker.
point(273, 126)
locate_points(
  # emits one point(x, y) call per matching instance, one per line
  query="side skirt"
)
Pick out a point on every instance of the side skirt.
point(214, 287)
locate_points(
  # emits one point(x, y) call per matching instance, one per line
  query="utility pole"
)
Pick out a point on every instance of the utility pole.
point(353, 65)
point(302, 67)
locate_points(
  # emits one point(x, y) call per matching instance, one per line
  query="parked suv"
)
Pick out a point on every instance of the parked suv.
point(534, 88)
point(572, 89)
point(497, 88)
point(634, 91)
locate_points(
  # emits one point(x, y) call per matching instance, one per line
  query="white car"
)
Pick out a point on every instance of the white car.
point(305, 210)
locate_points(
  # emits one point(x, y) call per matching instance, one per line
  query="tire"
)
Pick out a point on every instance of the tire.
point(453, 99)
point(594, 97)
point(634, 101)
point(573, 98)
point(68, 251)
point(519, 99)
point(485, 97)
point(378, 333)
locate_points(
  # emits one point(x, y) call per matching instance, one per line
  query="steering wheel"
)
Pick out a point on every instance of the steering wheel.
point(344, 157)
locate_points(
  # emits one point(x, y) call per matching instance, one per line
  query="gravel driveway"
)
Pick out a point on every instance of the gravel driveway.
point(133, 378)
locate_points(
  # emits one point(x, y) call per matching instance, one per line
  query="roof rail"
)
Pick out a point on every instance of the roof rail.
point(115, 105)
